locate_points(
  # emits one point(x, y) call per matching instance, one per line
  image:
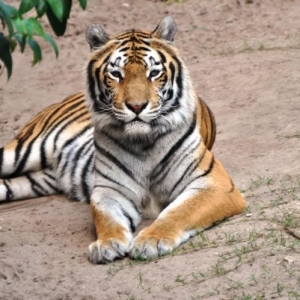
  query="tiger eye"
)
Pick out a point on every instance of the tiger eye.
point(116, 74)
point(154, 73)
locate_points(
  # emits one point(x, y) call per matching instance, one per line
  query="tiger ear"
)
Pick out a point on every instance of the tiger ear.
point(96, 36)
point(166, 29)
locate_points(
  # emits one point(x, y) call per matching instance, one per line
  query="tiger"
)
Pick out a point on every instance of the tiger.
point(137, 144)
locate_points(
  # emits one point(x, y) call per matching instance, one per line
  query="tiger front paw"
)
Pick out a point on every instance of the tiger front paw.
point(151, 246)
point(107, 250)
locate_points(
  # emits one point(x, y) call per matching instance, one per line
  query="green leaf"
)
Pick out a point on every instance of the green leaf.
point(49, 39)
point(2, 19)
point(21, 39)
point(5, 54)
point(27, 5)
point(34, 26)
point(20, 25)
point(9, 10)
point(12, 44)
point(67, 8)
point(7, 13)
point(58, 14)
point(58, 27)
point(57, 7)
point(82, 4)
point(37, 52)
point(41, 7)
point(29, 28)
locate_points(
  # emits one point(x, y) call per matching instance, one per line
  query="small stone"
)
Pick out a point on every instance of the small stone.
point(291, 259)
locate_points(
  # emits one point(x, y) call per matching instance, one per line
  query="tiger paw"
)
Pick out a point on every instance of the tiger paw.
point(102, 251)
point(152, 246)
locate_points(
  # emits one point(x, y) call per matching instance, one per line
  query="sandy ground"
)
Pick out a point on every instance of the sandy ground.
point(244, 59)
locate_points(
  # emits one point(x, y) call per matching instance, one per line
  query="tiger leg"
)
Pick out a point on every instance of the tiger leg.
point(115, 219)
point(192, 211)
point(17, 158)
point(30, 185)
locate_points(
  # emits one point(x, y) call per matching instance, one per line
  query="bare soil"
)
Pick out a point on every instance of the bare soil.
point(244, 59)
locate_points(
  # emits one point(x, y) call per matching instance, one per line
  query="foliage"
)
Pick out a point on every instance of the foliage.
point(22, 30)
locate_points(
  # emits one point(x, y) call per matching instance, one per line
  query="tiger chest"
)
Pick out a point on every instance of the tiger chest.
point(150, 179)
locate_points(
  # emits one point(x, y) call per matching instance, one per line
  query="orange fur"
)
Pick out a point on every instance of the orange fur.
point(219, 201)
point(105, 227)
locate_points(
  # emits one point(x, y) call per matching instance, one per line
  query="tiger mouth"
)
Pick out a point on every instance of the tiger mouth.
point(136, 119)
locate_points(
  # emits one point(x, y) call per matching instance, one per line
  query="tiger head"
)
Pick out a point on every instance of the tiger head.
point(136, 81)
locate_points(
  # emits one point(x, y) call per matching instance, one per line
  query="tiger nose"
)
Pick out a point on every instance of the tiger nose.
point(136, 108)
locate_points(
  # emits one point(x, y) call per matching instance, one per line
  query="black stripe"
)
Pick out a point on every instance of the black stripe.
point(193, 164)
point(114, 181)
point(44, 162)
point(77, 158)
point(90, 144)
point(91, 83)
point(22, 163)
point(81, 152)
point(49, 175)
point(173, 149)
point(114, 189)
point(172, 69)
point(100, 97)
point(205, 120)
point(170, 95)
point(200, 160)
point(66, 125)
point(9, 193)
point(84, 174)
point(21, 141)
point(138, 57)
point(172, 106)
point(213, 126)
point(35, 186)
point(130, 220)
point(69, 121)
point(124, 49)
point(211, 165)
point(142, 34)
point(19, 147)
point(179, 160)
point(66, 163)
point(124, 42)
point(114, 160)
point(141, 48)
point(179, 76)
point(1, 159)
point(163, 57)
point(103, 163)
point(70, 141)
point(145, 42)
point(63, 110)
point(18, 150)
point(106, 59)
point(54, 188)
point(125, 147)
point(64, 115)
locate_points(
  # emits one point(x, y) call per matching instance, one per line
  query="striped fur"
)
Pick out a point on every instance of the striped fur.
point(141, 149)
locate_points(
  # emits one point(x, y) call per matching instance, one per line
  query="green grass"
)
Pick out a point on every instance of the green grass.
point(255, 244)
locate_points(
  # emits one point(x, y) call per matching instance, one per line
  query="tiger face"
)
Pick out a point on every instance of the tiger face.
point(136, 80)
point(136, 86)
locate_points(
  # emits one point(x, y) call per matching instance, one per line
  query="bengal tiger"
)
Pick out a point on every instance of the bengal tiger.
point(135, 145)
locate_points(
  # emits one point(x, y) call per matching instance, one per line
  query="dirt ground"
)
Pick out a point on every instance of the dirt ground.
point(244, 59)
